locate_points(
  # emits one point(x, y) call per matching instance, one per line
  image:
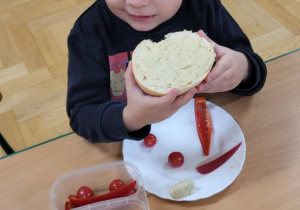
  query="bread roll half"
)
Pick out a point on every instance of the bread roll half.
point(182, 60)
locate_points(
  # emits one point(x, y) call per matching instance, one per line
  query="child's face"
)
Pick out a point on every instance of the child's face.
point(144, 15)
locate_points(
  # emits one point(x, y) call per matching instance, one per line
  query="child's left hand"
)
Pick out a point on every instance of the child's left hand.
point(143, 109)
point(230, 69)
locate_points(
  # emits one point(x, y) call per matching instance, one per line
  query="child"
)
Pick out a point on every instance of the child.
point(103, 108)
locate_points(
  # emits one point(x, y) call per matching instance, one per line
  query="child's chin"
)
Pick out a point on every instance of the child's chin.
point(143, 26)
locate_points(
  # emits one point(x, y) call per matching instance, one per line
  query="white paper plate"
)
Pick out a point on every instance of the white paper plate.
point(178, 133)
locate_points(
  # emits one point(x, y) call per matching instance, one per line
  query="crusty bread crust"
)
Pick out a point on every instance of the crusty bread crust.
point(182, 60)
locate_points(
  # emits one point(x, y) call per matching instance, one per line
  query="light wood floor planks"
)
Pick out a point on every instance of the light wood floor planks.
point(33, 57)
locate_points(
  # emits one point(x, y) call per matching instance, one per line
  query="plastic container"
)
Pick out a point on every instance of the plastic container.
point(98, 179)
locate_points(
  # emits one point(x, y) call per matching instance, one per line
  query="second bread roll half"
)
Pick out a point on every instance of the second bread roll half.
point(182, 60)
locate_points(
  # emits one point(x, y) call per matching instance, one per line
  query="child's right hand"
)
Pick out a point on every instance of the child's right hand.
point(143, 109)
point(231, 68)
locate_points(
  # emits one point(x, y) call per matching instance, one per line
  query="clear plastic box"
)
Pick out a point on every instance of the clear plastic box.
point(98, 178)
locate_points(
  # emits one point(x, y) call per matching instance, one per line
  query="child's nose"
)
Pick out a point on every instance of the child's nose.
point(138, 3)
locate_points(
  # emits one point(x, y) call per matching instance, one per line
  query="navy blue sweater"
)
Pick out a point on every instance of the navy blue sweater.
point(100, 46)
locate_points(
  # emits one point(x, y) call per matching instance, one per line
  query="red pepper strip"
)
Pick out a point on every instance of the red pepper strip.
point(203, 123)
point(216, 163)
point(120, 192)
point(68, 205)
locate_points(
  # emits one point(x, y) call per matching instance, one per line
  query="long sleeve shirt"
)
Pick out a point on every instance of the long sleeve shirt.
point(100, 47)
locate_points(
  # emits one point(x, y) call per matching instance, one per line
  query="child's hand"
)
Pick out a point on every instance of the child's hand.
point(143, 109)
point(230, 69)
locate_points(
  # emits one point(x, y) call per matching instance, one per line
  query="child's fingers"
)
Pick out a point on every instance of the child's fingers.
point(220, 67)
point(217, 48)
point(202, 34)
point(184, 98)
point(169, 98)
point(128, 73)
point(178, 101)
point(129, 79)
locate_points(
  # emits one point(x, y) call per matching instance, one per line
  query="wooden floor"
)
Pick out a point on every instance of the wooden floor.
point(33, 57)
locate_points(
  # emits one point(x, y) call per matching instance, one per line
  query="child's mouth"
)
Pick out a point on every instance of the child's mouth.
point(141, 18)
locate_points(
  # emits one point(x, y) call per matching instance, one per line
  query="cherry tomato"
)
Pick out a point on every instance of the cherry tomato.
point(176, 159)
point(150, 140)
point(131, 192)
point(116, 184)
point(85, 192)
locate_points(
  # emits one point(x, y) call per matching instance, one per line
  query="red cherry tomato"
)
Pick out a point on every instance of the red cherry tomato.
point(131, 192)
point(85, 192)
point(176, 159)
point(150, 140)
point(116, 184)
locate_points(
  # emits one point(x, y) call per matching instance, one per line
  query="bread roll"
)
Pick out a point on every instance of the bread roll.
point(182, 60)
